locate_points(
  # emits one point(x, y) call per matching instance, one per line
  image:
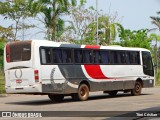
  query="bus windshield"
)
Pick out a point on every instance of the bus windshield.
point(18, 51)
point(147, 63)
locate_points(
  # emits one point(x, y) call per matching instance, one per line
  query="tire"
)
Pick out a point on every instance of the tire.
point(113, 93)
point(56, 98)
point(137, 89)
point(83, 93)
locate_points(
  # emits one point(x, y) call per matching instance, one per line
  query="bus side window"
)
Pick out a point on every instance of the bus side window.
point(57, 56)
point(87, 56)
point(104, 57)
point(78, 58)
point(138, 58)
point(121, 57)
point(128, 57)
point(134, 57)
point(66, 56)
point(113, 57)
point(46, 55)
point(118, 57)
point(96, 56)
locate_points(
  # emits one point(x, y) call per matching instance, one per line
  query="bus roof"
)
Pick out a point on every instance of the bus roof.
point(71, 45)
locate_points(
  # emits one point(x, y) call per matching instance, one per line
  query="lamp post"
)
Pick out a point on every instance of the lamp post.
point(97, 41)
point(23, 30)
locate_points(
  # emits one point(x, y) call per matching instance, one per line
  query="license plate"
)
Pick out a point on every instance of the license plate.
point(18, 81)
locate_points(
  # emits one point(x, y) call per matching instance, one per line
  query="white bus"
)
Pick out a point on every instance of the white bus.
point(58, 70)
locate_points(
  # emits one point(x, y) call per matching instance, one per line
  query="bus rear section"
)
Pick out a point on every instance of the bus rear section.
point(20, 73)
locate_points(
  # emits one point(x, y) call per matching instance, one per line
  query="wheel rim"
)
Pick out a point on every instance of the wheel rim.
point(83, 92)
point(137, 88)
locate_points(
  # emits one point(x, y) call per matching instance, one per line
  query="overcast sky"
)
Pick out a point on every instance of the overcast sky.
point(133, 14)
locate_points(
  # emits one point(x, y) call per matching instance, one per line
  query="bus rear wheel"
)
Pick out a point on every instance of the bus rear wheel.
point(56, 98)
point(137, 89)
point(83, 93)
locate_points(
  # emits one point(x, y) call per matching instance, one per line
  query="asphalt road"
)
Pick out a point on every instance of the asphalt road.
point(149, 101)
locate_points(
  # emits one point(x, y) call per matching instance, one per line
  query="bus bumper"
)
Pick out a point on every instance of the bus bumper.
point(148, 83)
point(24, 89)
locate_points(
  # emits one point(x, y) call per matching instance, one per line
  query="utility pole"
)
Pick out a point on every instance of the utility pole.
point(156, 56)
point(23, 30)
point(97, 21)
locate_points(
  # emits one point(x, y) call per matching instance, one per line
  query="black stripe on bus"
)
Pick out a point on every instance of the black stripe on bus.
point(72, 72)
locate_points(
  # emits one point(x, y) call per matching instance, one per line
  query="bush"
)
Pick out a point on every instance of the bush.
point(157, 77)
point(1, 55)
point(2, 82)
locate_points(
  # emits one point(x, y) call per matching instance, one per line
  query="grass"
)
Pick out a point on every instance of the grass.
point(2, 82)
point(158, 78)
point(158, 83)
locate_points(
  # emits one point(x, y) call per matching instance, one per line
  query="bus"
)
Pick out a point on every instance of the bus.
point(42, 67)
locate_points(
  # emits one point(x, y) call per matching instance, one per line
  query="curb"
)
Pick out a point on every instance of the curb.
point(3, 95)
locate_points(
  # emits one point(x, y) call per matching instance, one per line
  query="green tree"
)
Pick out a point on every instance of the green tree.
point(155, 49)
point(15, 10)
point(136, 38)
point(107, 30)
point(2, 43)
point(156, 21)
point(52, 11)
point(5, 35)
point(77, 27)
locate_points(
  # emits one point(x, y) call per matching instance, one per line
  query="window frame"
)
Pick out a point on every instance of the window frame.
point(51, 56)
point(20, 49)
point(139, 54)
point(145, 70)
point(43, 47)
point(93, 55)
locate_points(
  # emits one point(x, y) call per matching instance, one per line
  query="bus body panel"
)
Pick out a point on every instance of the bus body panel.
point(123, 71)
point(51, 72)
point(21, 80)
point(19, 75)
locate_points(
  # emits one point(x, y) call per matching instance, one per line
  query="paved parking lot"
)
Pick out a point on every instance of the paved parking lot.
point(104, 104)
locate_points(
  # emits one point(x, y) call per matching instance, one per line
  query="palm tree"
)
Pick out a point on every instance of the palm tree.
point(107, 30)
point(52, 11)
point(156, 20)
point(155, 49)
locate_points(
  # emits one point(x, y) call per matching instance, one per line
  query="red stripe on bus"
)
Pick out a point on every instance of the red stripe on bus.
point(94, 71)
point(92, 46)
point(8, 52)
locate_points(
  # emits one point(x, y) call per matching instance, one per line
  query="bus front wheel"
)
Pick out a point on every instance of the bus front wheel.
point(56, 98)
point(137, 89)
point(83, 93)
